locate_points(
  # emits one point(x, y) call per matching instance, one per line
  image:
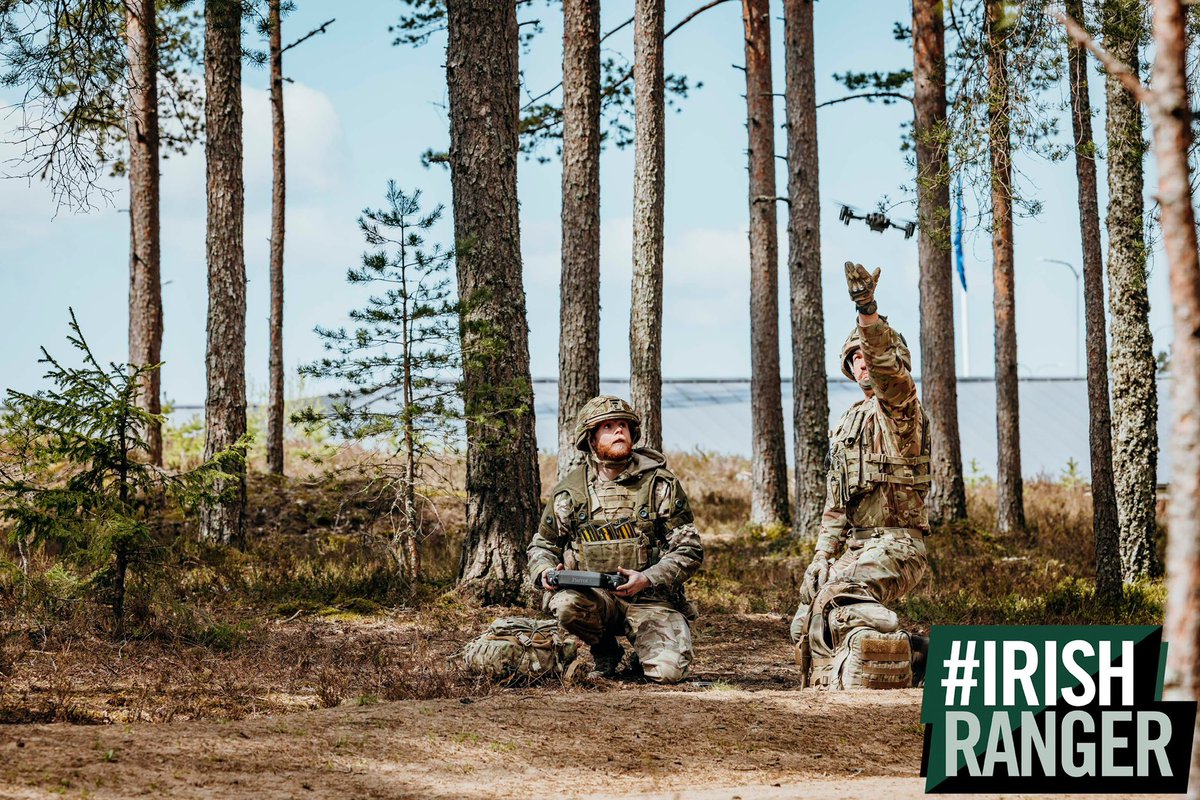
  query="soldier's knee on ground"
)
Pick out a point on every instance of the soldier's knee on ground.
point(670, 668)
point(663, 641)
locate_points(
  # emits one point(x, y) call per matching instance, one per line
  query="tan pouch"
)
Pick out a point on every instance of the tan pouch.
point(606, 556)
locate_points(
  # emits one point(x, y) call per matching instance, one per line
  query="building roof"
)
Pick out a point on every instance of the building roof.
point(714, 416)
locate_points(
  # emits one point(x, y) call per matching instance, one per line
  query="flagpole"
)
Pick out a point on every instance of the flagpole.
point(962, 277)
point(966, 336)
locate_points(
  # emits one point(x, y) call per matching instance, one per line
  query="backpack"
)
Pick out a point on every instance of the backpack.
point(522, 648)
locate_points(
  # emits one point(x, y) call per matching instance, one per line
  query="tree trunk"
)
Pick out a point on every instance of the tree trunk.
point(502, 470)
point(579, 289)
point(1104, 501)
point(1172, 138)
point(768, 490)
point(145, 276)
point(1135, 395)
point(1010, 504)
point(810, 391)
point(225, 406)
point(645, 310)
point(275, 401)
point(947, 498)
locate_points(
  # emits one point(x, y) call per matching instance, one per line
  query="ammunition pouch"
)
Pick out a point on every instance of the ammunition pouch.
point(609, 555)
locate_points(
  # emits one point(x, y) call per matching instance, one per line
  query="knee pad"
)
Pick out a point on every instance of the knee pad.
point(664, 672)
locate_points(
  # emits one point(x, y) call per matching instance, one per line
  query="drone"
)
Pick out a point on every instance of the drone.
point(877, 221)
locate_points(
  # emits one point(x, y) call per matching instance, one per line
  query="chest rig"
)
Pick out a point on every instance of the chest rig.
point(856, 465)
point(614, 523)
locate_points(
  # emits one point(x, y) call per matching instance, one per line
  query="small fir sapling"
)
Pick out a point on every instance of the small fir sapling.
point(401, 363)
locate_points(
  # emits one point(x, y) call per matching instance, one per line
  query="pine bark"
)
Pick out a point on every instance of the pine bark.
point(810, 391)
point(947, 498)
point(225, 407)
point(1105, 530)
point(1172, 139)
point(645, 316)
point(768, 489)
point(1134, 392)
point(579, 289)
point(275, 409)
point(145, 268)
point(502, 470)
point(1010, 504)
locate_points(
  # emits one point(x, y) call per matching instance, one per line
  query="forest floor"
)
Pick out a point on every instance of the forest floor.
point(298, 665)
point(739, 721)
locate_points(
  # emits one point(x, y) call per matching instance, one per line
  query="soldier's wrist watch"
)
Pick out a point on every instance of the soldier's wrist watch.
point(868, 308)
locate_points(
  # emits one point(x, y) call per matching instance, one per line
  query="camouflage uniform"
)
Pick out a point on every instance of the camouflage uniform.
point(878, 475)
point(666, 549)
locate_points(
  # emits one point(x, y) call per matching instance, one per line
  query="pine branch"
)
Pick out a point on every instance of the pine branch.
point(867, 96)
point(308, 35)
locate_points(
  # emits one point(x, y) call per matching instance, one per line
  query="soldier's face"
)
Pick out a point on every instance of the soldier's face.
point(858, 368)
point(612, 440)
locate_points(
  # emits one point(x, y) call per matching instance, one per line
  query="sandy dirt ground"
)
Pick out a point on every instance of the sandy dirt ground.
point(739, 729)
point(635, 740)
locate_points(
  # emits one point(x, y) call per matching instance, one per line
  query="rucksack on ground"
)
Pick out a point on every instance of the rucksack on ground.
point(522, 648)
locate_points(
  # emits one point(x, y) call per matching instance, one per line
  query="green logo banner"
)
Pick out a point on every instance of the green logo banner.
point(1055, 708)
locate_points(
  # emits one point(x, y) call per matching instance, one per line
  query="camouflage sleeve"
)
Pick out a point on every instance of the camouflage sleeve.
point(833, 521)
point(545, 551)
point(894, 386)
point(682, 552)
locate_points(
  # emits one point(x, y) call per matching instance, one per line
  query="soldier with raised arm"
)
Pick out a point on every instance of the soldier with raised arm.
point(871, 547)
point(621, 511)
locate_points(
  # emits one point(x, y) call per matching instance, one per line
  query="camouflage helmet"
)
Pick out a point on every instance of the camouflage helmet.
point(599, 409)
point(854, 343)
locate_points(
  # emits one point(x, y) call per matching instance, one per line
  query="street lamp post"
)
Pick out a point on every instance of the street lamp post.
point(1078, 290)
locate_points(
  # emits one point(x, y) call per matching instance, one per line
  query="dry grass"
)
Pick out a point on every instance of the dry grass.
point(312, 611)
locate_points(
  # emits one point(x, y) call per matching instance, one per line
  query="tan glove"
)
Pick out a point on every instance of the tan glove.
point(862, 287)
point(817, 573)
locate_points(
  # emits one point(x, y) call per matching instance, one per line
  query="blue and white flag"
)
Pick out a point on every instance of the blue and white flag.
point(958, 234)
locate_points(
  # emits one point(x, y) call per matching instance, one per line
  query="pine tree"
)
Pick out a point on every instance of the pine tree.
point(225, 406)
point(768, 488)
point(810, 391)
point(401, 361)
point(91, 74)
point(579, 289)
point(1105, 529)
point(947, 499)
point(649, 186)
point(76, 474)
point(502, 471)
point(1131, 360)
point(1010, 503)
point(275, 409)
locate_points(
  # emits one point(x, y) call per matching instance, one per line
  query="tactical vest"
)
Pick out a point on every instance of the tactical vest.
point(855, 468)
point(614, 524)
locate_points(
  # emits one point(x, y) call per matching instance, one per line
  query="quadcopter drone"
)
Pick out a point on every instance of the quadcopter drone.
point(877, 221)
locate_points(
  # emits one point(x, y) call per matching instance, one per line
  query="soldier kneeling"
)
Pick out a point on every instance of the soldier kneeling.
point(871, 549)
point(621, 511)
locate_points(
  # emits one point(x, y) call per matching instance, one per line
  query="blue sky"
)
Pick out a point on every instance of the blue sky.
point(361, 111)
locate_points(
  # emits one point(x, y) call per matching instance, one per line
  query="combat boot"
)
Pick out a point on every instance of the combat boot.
point(920, 656)
point(607, 655)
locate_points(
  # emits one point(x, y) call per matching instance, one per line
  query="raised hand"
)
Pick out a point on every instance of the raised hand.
point(862, 287)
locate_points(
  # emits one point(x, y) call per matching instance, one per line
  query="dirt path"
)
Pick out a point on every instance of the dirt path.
point(740, 730)
point(629, 740)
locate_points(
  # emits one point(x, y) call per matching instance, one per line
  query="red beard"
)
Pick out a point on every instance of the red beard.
point(617, 451)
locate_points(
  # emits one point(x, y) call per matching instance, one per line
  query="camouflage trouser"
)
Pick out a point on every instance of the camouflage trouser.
point(659, 634)
point(887, 566)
